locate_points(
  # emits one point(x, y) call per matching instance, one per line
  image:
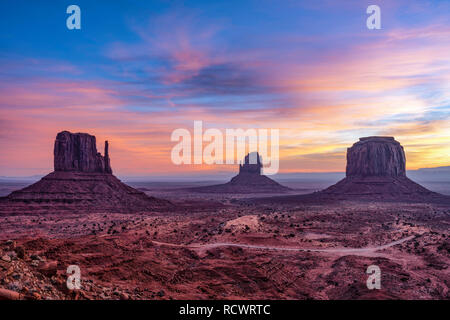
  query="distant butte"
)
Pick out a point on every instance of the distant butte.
point(82, 181)
point(249, 180)
point(376, 171)
point(376, 167)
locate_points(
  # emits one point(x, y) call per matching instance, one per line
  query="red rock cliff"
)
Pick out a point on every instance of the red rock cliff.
point(78, 152)
point(376, 156)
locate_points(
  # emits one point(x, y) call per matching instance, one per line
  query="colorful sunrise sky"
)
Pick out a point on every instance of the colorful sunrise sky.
point(137, 70)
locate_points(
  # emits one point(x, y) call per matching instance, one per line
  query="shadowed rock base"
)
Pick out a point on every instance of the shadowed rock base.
point(83, 191)
point(378, 187)
point(243, 183)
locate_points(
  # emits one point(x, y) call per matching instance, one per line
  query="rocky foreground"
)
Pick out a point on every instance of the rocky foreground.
point(231, 252)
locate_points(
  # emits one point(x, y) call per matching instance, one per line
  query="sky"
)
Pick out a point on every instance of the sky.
point(138, 70)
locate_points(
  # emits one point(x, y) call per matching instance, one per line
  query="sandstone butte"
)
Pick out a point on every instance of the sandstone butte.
point(82, 180)
point(249, 180)
point(375, 171)
point(376, 166)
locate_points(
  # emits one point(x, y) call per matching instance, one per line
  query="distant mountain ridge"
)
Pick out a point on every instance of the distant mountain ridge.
point(226, 176)
point(20, 179)
point(444, 168)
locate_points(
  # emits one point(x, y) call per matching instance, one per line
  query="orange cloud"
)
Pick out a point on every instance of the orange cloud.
point(321, 106)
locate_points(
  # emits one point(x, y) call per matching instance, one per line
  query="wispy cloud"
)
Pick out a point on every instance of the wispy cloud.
point(323, 91)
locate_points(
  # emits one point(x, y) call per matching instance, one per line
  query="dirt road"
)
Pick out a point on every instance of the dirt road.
point(362, 251)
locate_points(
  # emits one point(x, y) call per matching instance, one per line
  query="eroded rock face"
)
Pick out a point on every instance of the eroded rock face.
point(376, 157)
point(376, 170)
point(78, 152)
point(82, 182)
point(249, 180)
point(252, 164)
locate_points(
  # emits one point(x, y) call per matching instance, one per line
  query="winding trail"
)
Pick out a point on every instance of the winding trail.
point(207, 246)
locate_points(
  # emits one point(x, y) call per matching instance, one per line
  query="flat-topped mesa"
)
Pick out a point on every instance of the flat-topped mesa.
point(252, 164)
point(78, 152)
point(375, 172)
point(376, 157)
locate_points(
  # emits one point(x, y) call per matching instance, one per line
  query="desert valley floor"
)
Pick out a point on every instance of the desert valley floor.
point(218, 246)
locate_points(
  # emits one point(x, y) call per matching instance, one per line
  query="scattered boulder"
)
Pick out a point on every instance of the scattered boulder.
point(21, 252)
point(6, 294)
point(36, 257)
point(48, 268)
point(11, 243)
